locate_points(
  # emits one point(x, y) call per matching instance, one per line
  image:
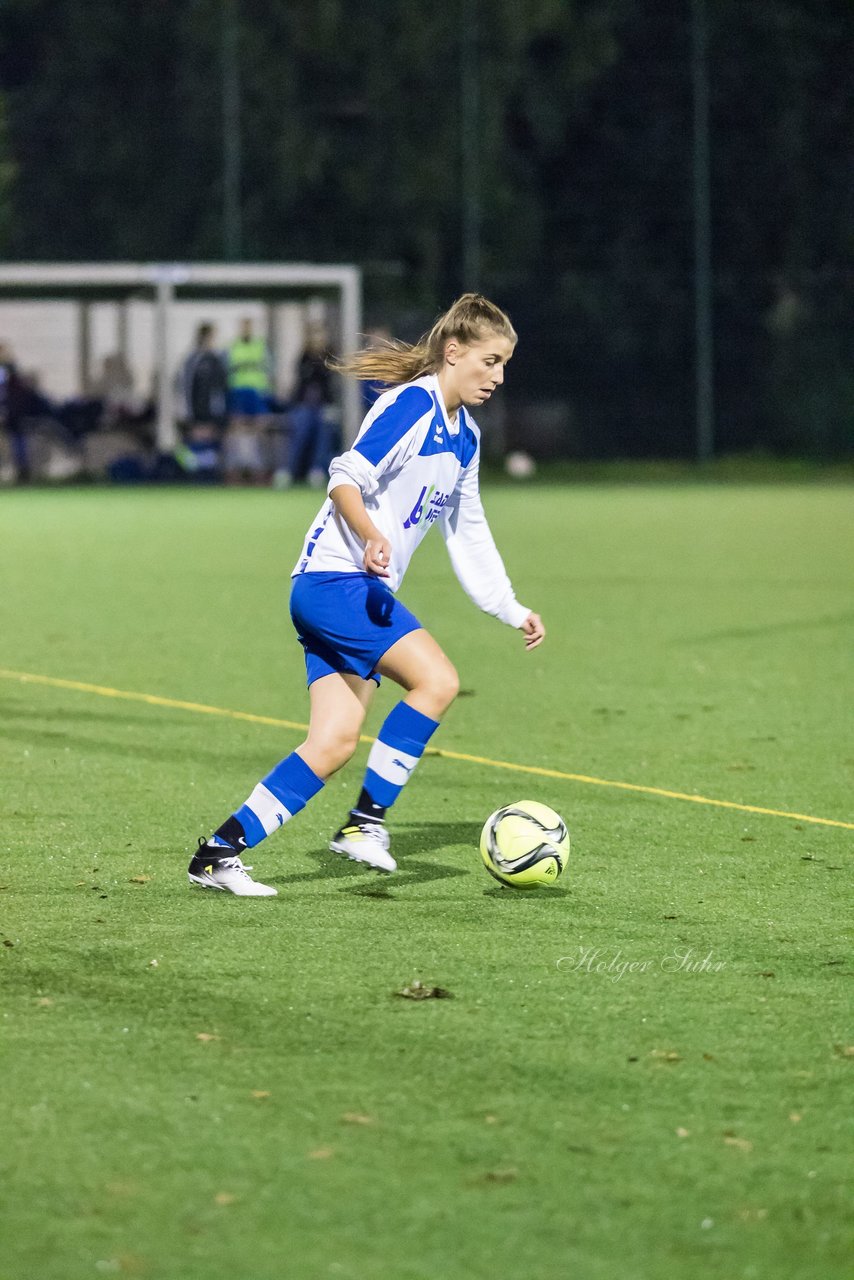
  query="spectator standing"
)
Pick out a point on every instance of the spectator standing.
point(313, 416)
point(250, 389)
point(204, 385)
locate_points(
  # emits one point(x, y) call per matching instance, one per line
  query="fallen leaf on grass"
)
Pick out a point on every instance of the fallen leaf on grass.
point(417, 991)
point(126, 1264)
point(321, 1153)
point(122, 1188)
point(683, 1133)
point(766, 973)
point(741, 1143)
point(842, 1050)
point(665, 1055)
point(260, 1094)
point(206, 1036)
point(224, 1197)
point(357, 1117)
point(490, 1119)
point(44, 1002)
point(500, 1175)
point(795, 1117)
point(140, 879)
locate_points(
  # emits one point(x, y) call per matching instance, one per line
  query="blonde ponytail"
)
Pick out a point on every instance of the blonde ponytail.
point(471, 319)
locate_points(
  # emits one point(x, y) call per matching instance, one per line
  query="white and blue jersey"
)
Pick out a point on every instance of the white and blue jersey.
point(415, 468)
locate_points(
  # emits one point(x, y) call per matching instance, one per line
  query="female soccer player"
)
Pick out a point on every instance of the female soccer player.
point(414, 463)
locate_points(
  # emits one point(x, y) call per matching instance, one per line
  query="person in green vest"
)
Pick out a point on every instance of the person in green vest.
point(250, 390)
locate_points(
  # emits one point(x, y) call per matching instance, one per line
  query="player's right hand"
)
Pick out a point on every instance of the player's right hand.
point(533, 630)
point(377, 556)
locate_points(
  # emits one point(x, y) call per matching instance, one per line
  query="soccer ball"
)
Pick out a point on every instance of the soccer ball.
point(525, 844)
point(519, 465)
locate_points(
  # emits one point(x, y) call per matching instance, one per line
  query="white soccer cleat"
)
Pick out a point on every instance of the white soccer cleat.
point(365, 842)
point(226, 873)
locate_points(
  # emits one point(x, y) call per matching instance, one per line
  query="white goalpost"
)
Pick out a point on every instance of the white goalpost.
point(166, 284)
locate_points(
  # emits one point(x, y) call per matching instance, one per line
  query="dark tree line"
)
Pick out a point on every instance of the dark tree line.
point(354, 147)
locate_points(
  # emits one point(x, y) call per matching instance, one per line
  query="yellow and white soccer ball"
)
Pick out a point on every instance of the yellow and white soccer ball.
point(525, 845)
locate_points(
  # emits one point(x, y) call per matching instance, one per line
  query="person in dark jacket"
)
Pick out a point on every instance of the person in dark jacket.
point(314, 417)
point(204, 383)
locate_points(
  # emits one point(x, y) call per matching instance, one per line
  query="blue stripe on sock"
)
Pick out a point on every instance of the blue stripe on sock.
point(251, 825)
point(380, 790)
point(407, 730)
point(404, 729)
point(293, 782)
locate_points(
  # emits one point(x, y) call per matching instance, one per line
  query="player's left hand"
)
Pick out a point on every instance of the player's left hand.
point(533, 630)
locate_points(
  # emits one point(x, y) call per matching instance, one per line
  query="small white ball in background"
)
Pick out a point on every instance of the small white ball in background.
point(519, 465)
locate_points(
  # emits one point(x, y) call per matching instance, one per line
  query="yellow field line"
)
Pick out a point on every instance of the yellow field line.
point(200, 708)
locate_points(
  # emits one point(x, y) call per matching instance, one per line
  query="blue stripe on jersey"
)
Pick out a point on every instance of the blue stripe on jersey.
point(393, 423)
point(439, 439)
point(468, 440)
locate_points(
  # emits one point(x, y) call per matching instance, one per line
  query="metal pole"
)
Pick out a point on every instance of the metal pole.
point(232, 228)
point(470, 118)
point(84, 347)
point(166, 430)
point(704, 338)
point(122, 308)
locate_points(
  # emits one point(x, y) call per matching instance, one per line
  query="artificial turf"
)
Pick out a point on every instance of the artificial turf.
point(643, 1073)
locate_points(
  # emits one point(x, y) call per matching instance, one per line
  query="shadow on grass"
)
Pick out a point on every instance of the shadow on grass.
point(12, 709)
point(768, 629)
point(416, 841)
point(547, 893)
point(156, 753)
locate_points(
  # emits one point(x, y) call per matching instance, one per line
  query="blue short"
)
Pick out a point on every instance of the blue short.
point(248, 401)
point(346, 622)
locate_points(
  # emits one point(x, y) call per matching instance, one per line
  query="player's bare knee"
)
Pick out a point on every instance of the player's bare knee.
point(328, 755)
point(443, 687)
point(345, 748)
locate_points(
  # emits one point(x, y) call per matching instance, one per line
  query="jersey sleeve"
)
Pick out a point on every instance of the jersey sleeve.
point(474, 555)
point(385, 442)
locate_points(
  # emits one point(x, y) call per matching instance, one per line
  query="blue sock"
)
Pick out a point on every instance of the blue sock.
point(285, 790)
point(399, 746)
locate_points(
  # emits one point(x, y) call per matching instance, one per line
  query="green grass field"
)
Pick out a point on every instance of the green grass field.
point(644, 1073)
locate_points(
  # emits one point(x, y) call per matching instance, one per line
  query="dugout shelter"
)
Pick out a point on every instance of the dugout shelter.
point(165, 285)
